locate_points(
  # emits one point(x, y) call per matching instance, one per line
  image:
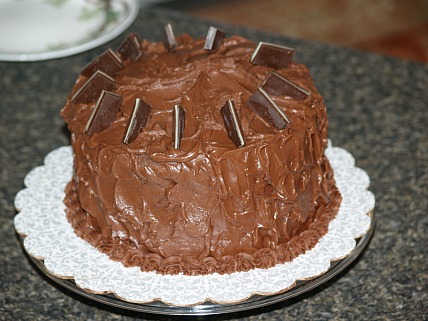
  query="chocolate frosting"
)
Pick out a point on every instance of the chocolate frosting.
point(208, 206)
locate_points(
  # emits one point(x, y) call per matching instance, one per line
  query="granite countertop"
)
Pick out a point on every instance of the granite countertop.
point(377, 108)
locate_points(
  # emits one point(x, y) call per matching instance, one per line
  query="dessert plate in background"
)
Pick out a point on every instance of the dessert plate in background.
point(45, 29)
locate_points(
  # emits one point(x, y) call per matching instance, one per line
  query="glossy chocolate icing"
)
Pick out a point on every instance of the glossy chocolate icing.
point(208, 206)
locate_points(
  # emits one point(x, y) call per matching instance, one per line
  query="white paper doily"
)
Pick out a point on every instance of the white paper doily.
point(49, 237)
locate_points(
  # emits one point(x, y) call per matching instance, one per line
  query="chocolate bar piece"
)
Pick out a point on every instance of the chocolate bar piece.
point(169, 38)
point(277, 85)
point(108, 62)
point(178, 123)
point(232, 124)
point(139, 117)
point(267, 109)
point(104, 113)
point(131, 48)
point(93, 87)
point(271, 55)
point(214, 39)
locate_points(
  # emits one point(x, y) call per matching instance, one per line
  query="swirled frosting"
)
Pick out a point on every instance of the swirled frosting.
point(208, 206)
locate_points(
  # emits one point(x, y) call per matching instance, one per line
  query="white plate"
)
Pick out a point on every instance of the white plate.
point(45, 29)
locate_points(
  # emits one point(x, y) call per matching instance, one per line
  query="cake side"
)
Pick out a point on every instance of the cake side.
point(207, 206)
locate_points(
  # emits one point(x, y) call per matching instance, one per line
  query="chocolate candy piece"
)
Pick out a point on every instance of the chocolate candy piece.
point(232, 124)
point(169, 38)
point(93, 87)
point(105, 111)
point(130, 49)
point(277, 85)
point(271, 55)
point(139, 117)
point(266, 108)
point(108, 62)
point(214, 39)
point(178, 122)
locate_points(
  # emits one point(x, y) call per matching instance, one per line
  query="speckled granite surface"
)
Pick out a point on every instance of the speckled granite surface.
point(378, 110)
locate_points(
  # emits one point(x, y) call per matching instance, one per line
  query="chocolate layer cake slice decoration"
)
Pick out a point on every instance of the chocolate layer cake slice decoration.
point(104, 113)
point(278, 85)
point(92, 88)
point(169, 40)
point(108, 62)
point(178, 123)
point(267, 109)
point(272, 55)
point(214, 39)
point(232, 124)
point(131, 48)
point(139, 117)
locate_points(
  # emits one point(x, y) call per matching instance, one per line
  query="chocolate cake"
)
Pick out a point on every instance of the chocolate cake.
point(199, 156)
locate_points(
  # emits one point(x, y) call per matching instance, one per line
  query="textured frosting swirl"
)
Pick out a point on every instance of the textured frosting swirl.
point(208, 206)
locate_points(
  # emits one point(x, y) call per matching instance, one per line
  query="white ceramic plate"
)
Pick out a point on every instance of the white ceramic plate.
point(45, 29)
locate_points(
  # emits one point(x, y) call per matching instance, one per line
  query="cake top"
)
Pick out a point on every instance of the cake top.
point(169, 99)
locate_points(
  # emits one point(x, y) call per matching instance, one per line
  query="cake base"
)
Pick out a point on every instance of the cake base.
point(49, 237)
point(208, 308)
